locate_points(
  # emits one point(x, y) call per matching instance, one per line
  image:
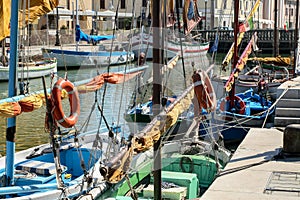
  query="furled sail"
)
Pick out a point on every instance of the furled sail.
point(240, 64)
point(279, 61)
point(81, 36)
point(97, 82)
point(191, 15)
point(240, 36)
point(115, 170)
point(16, 106)
point(5, 19)
point(28, 12)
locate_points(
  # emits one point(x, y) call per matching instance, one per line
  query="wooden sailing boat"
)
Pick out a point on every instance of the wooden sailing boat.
point(239, 111)
point(143, 41)
point(75, 164)
point(28, 67)
point(272, 71)
point(186, 164)
point(141, 109)
point(87, 56)
point(67, 167)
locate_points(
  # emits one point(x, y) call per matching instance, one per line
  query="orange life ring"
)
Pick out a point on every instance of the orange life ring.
point(237, 101)
point(58, 112)
point(204, 91)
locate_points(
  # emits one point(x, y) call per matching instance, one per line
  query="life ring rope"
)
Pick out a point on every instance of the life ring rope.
point(57, 110)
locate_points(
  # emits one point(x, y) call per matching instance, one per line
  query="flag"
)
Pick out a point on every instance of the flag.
point(246, 26)
point(286, 26)
point(214, 47)
point(250, 23)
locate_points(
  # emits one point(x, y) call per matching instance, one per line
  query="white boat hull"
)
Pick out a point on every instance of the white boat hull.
point(74, 58)
point(144, 43)
point(34, 70)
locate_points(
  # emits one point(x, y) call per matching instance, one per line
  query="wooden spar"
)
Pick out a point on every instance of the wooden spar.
point(12, 90)
point(276, 50)
point(235, 53)
point(157, 14)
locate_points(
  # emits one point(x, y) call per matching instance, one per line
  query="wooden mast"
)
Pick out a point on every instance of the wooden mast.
point(235, 52)
point(275, 52)
point(157, 15)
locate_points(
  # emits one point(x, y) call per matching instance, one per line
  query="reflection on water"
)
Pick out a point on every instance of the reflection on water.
point(30, 126)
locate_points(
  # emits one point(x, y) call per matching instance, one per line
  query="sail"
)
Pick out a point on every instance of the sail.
point(113, 78)
point(81, 36)
point(190, 15)
point(115, 171)
point(28, 12)
point(5, 19)
point(278, 61)
point(240, 64)
point(18, 105)
point(241, 34)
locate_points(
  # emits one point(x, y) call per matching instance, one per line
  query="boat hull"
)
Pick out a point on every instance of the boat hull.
point(35, 70)
point(78, 59)
point(234, 125)
point(172, 47)
point(43, 185)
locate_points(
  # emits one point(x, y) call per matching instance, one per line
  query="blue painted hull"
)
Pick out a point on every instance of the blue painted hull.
point(233, 126)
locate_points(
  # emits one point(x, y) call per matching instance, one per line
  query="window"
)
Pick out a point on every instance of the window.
point(122, 4)
point(291, 12)
point(102, 4)
point(224, 4)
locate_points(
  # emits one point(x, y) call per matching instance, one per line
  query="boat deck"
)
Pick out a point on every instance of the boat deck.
point(256, 172)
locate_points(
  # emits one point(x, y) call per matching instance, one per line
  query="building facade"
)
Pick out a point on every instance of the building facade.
point(215, 13)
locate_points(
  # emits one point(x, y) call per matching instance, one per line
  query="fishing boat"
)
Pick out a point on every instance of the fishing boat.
point(79, 164)
point(151, 153)
point(29, 70)
point(176, 42)
point(140, 111)
point(67, 166)
point(260, 74)
point(266, 70)
point(88, 56)
point(188, 165)
point(249, 110)
point(28, 66)
point(236, 112)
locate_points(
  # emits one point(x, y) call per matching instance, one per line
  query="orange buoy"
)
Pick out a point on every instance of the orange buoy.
point(237, 102)
point(58, 112)
point(204, 91)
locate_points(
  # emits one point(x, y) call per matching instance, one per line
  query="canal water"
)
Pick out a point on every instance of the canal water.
point(31, 126)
